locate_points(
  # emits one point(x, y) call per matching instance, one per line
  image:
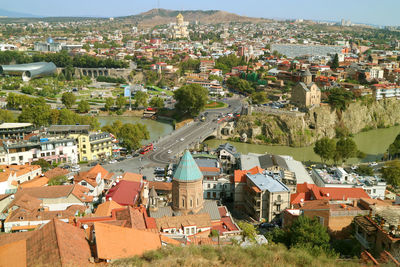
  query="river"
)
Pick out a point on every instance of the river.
point(374, 143)
point(156, 129)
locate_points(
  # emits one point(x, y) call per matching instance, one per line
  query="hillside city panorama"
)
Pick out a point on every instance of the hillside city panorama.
point(189, 137)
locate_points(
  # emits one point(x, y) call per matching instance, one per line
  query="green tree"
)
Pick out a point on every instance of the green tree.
point(43, 164)
point(120, 102)
point(345, 148)
point(191, 99)
point(157, 102)
point(83, 106)
point(308, 233)
point(335, 62)
point(6, 116)
point(141, 99)
point(58, 180)
point(339, 98)
point(109, 103)
point(325, 148)
point(86, 47)
point(132, 135)
point(259, 97)
point(39, 115)
point(391, 172)
point(68, 99)
point(365, 170)
point(248, 230)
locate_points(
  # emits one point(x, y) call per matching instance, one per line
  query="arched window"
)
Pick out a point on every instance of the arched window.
point(197, 201)
point(191, 203)
point(183, 202)
point(279, 198)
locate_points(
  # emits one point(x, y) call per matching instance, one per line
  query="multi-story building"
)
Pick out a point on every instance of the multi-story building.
point(382, 91)
point(15, 131)
point(91, 145)
point(266, 196)
point(375, 187)
point(51, 149)
point(206, 65)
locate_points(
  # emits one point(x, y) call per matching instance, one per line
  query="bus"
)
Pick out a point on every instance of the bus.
point(146, 149)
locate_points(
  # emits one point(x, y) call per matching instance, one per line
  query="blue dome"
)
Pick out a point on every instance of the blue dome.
point(50, 40)
point(187, 170)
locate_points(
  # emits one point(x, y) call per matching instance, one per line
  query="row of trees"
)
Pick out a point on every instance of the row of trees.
point(340, 150)
point(62, 59)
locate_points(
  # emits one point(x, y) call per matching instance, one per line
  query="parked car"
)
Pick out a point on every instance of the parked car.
point(169, 151)
point(158, 169)
point(76, 168)
point(129, 156)
point(372, 164)
point(113, 161)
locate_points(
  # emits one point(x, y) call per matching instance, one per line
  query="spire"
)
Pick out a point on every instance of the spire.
point(187, 170)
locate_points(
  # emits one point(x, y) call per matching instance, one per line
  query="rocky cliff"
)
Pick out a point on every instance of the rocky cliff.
point(322, 121)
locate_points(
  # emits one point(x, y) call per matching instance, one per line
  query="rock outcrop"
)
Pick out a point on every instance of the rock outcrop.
point(319, 122)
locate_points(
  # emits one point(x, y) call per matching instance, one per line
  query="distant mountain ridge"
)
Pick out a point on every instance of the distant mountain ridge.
point(13, 14)
point(155, 17)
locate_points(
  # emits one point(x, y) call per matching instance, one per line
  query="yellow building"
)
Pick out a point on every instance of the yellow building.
point(91, 145)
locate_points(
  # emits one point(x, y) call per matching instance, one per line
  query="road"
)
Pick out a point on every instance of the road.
point(191, 133)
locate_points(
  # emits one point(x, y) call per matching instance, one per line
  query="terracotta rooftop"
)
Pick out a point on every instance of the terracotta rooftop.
point(163, 186)
point(18, 170)
point(13, 254)
point(36, 182)
point(105, 209)
point(125, 193)
point(132, 177)
point(240, 175)
point(58, 244)
point(114, 242)
point(198, 220)
point(20, 214)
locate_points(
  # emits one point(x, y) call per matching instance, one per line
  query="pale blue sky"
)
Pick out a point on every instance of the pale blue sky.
point(382, 12)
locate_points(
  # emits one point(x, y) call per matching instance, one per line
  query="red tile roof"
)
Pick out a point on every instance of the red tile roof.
point(310, 192)
point(125, 193)
point(240, 175)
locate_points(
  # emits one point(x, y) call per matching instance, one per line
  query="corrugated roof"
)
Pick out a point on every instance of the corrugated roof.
point(266, 182)
point(211, 207)
point(187, 170)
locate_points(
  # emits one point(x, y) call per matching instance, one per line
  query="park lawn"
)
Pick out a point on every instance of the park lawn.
point(215, 104)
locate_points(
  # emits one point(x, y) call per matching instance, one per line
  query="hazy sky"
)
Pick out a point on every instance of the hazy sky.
point(381, 12)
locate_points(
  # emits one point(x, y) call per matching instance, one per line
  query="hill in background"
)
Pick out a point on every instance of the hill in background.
point(164, 16)
point(12, 14)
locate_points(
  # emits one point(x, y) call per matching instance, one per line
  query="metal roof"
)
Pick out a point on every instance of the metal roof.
point(187, 170)
point(266, 182)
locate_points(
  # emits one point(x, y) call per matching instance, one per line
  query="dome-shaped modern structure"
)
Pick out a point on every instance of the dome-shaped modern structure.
point(187, 186)
point(29, 71)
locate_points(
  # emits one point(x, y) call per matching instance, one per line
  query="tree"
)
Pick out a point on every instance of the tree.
point(120, 102)
point(248, 231)
point(339, 98)
point(391, 172)
point(308, 233)
point(132, 135)
point(6, 116)
point(345, 148)
point(141, 99)
point(259, 97)
point(365, 170)
point(83, 106)
point(157, 102)
point(39, 115)
point(43, 164)
point(335, 62)
point(109, 103)
point(58, 180)
point(325, 148)
point(68, 99)
point(191, 99)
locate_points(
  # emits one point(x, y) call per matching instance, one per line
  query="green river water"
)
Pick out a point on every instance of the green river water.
point(155, 128)
point(374, 143)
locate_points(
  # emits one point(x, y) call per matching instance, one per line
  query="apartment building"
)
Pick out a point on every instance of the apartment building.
point(266, 196)
point(13, 175)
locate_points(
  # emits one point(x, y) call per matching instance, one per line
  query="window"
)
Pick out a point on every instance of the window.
point(321, 220)
point(278, 207)
point(183, 202)
point(374, 191)
point(215, 186)
point(12, 158)
point(191, 203)
point(208, 186)
point(279, 198)
point(21, 157)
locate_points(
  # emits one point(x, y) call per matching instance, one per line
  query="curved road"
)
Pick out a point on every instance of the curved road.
point(190, 134)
